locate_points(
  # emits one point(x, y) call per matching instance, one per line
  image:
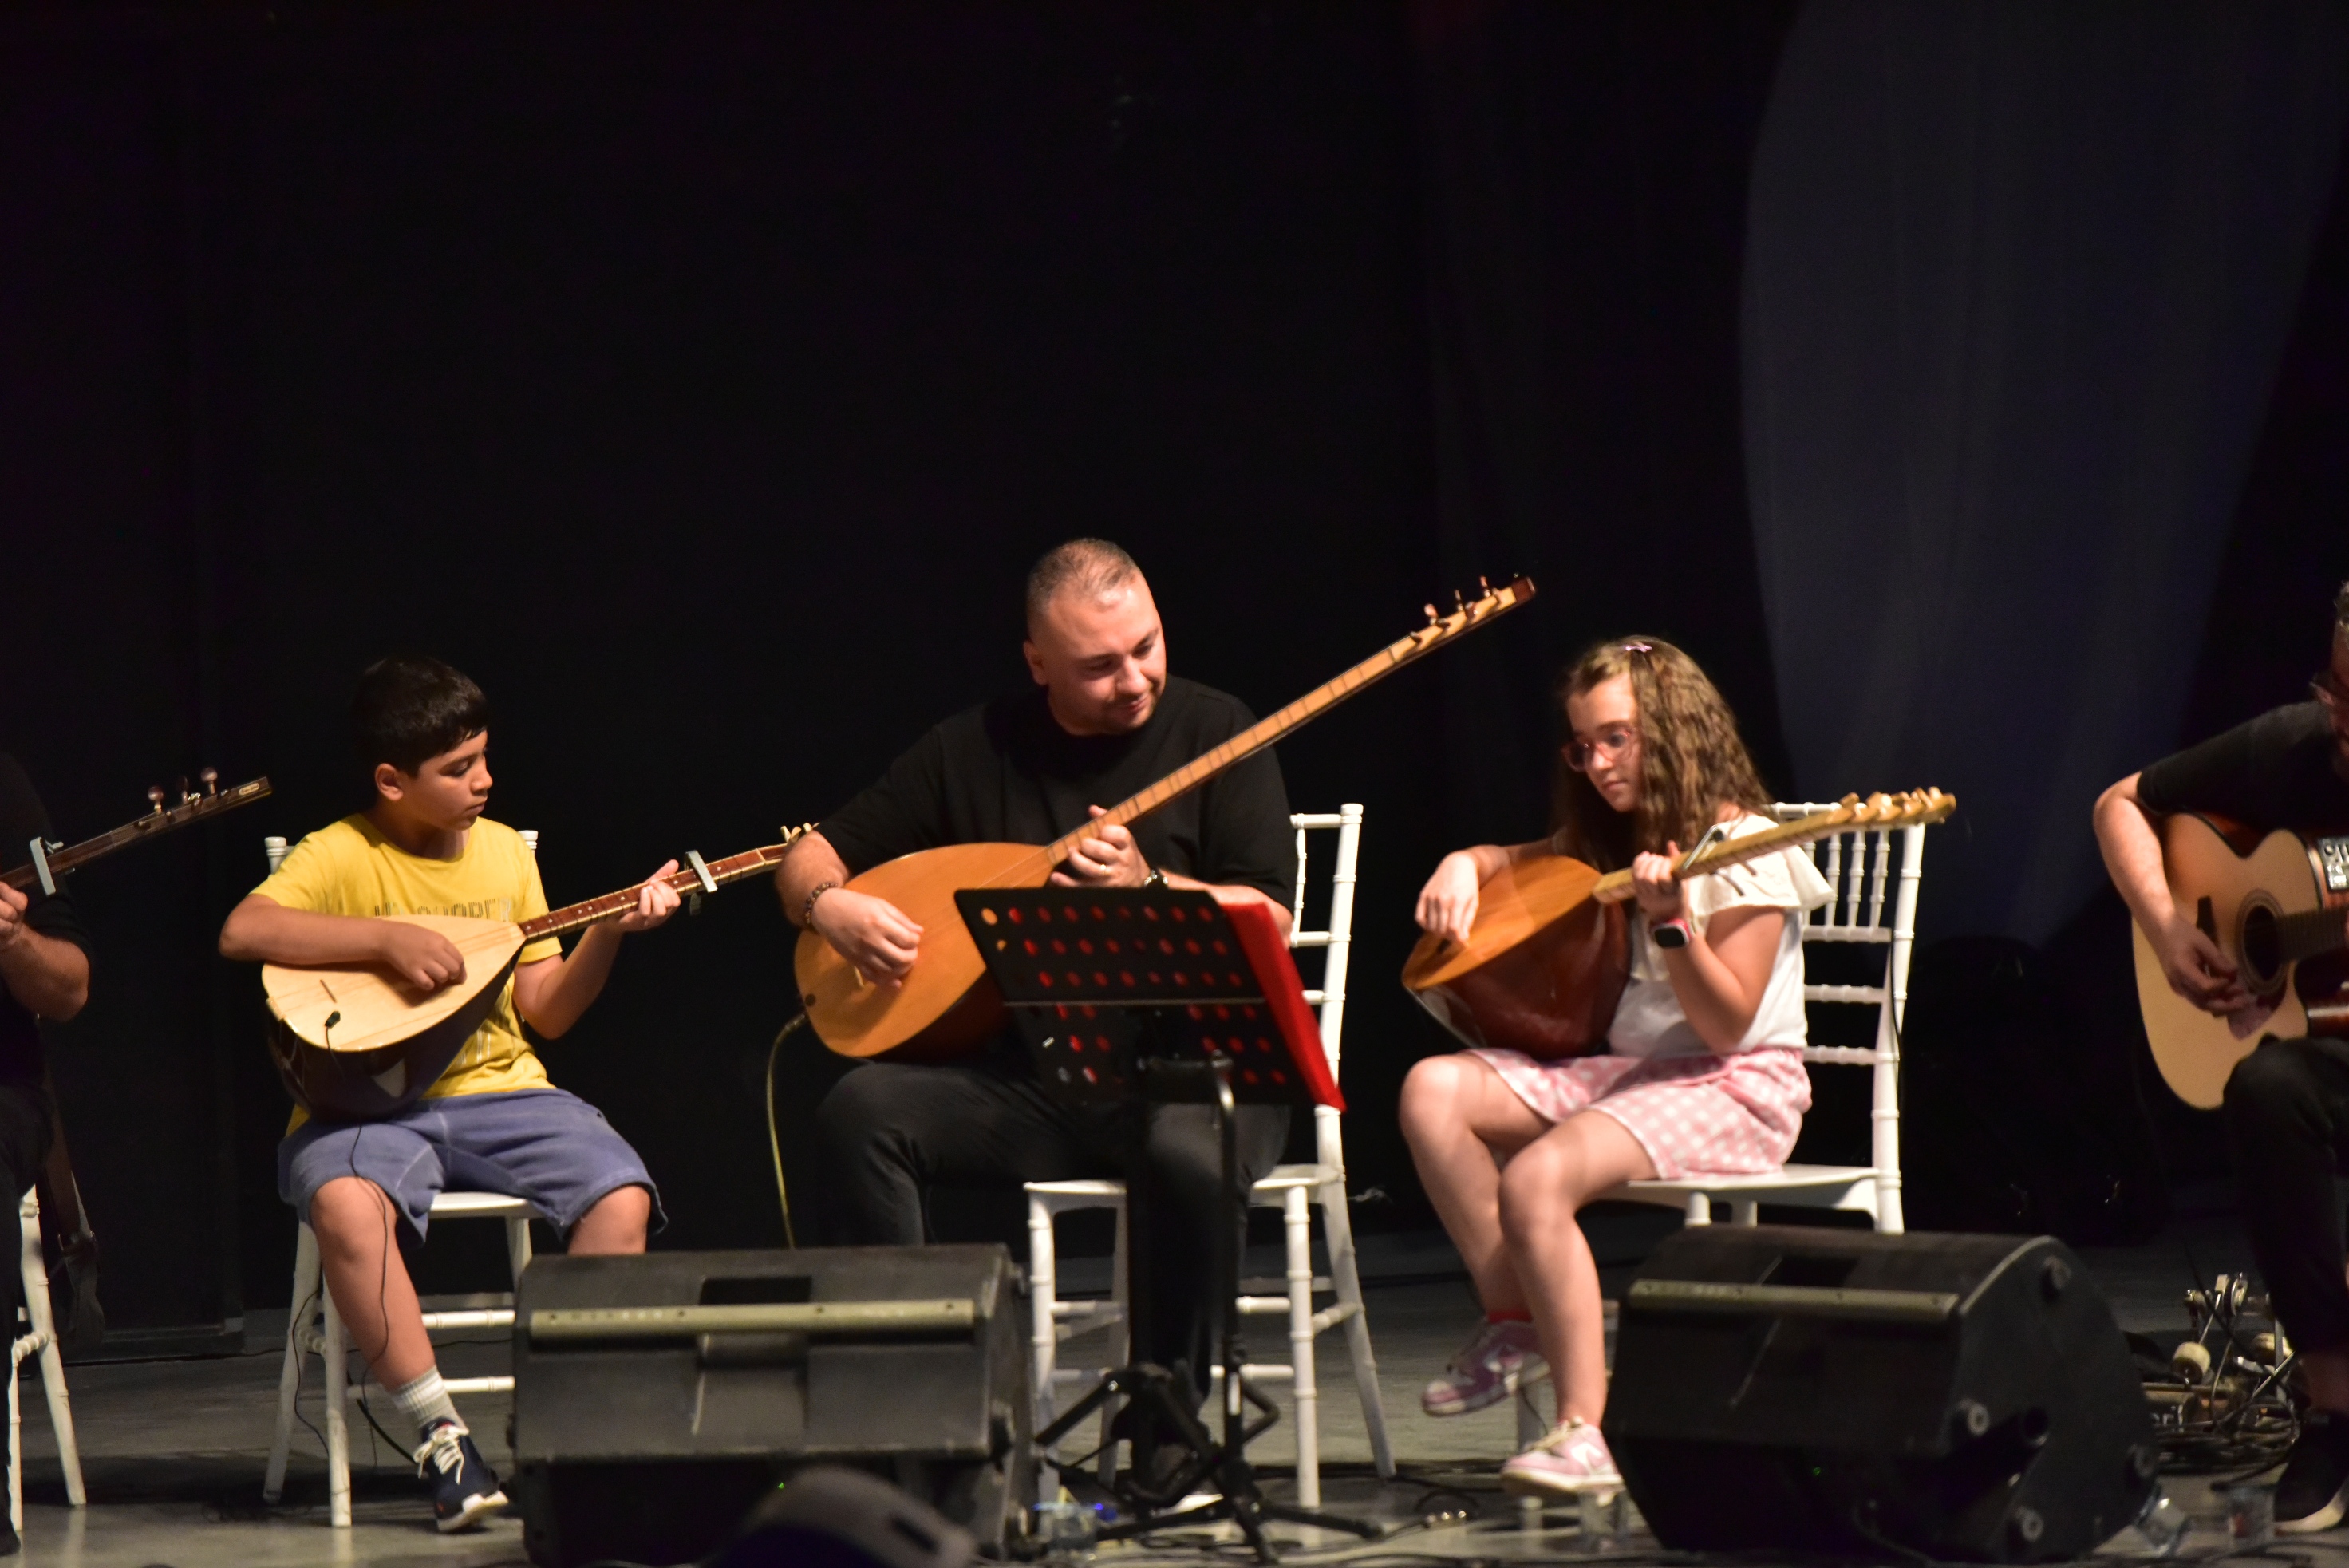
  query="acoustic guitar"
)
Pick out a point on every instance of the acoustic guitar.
point(1545, 961)
point(50, 861)
point(947, 1006)
point(2278, 906)
point(357, 1043)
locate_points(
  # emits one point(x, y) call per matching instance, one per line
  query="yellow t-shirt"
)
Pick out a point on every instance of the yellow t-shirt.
point(350, 869)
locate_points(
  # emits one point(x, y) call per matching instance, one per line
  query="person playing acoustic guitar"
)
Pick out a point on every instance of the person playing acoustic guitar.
point(1702, 1068)
point(1103, 720)
point(2286, 1105)
point(491, 1122)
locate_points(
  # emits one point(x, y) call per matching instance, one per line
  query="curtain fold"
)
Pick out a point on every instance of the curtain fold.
point(2017, 279)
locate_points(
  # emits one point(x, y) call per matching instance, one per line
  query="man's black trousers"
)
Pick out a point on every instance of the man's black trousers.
point(2287, 1114)
point(887, 1131)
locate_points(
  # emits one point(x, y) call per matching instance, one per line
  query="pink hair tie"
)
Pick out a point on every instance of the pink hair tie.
point(1637, 648)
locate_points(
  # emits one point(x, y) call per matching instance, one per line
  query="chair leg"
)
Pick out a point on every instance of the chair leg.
point(1296, 1217)
point(289, 1378)
point(518, 1252)
point(338, 1429)
point(15, 1448)
point(1121, 1339)
point(1346, 1280)
point(1531, 1427)
point(1700, 1209)
point(1745, 1212)
point(1044, 1328)
point(42, 1322)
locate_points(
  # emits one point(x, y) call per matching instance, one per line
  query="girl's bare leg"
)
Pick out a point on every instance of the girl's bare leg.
point(1463, 1123)
point(1541, 1191)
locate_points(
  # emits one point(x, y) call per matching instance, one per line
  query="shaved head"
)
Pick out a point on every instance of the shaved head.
point(1086, 568)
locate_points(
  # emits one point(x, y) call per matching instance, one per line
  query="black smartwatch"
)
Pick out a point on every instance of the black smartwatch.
point(1672, 933)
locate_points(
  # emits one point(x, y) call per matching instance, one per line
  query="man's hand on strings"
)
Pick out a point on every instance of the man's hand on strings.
point(13, 905)
point(1107, 859)
point(2198, 972)
point(879, 939)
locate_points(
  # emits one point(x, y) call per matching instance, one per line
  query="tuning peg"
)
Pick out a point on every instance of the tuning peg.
point(155, 797)
point(1431, 613)
point(209, 779)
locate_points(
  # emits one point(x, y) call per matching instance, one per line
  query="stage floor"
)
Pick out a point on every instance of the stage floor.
point(173, 1451)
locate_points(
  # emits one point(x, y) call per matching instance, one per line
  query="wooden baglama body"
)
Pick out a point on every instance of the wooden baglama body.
point(1544, 967)
point(2278, 906)
point(1548, 953)
point(357, 1043)
point(946, 1006)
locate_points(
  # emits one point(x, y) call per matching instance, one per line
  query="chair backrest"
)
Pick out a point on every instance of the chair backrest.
point(1876, 874)
point(277, 849)
point(1336, 941)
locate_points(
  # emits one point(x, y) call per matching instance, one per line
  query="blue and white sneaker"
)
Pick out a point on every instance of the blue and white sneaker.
point(464, 1489)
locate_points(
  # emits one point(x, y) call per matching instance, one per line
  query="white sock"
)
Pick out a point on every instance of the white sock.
point(425, 1400)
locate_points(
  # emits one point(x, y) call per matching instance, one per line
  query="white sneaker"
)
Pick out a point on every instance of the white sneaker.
point(1487, 1371)
point(1572, 1457)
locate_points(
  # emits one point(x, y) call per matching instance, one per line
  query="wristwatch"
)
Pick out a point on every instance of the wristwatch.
point(1156, 879)
point(1672, 933)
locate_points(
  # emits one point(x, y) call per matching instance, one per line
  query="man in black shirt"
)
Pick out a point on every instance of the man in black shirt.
point(44, 973)
point(2287, 1103)
point(1103, 720)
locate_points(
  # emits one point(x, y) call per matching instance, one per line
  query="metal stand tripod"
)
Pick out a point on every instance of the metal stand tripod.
point(1150, 1389)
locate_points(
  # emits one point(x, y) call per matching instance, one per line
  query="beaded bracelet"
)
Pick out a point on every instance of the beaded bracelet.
point(807, 910)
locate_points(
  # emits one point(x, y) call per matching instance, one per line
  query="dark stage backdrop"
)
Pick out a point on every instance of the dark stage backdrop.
point(2019, 279)
point(703, 380)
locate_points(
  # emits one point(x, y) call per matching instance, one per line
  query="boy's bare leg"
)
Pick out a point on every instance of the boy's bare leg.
point(615, 1225)
point(358, 1251)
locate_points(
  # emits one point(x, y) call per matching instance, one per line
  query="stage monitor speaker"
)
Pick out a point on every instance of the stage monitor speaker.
point(658, 1398)
point(832, 1517)
point(1954, 1397)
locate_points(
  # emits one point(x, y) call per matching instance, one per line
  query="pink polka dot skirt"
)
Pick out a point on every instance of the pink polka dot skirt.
point(1713, 1116)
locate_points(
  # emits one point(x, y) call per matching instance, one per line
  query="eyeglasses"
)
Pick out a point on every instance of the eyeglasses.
point(1612, 743)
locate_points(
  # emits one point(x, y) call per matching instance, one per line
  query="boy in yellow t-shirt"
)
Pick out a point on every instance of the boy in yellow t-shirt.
point(491, 1122)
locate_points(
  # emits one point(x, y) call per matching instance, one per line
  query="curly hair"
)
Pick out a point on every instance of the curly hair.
point(1692, 760)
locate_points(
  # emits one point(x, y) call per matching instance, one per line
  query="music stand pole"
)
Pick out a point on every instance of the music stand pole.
point(1145, 997)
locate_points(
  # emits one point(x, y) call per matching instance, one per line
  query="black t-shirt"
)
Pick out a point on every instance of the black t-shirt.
point(2279, 770)
point(21, 817)
point(1007, 772)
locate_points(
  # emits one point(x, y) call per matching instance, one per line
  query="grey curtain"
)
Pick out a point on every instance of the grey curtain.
point(2017, 279)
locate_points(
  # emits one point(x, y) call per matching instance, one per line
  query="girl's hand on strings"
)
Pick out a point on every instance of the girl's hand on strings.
point(1658, 890)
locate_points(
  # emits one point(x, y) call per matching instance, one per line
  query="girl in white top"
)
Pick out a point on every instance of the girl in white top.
point(1702, 1071)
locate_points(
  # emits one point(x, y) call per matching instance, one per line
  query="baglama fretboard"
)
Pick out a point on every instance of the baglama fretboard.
point(612, 905)
point(1439, 630)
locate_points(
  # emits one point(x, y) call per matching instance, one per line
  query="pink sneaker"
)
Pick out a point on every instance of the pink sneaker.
point(1487, 1371)
point(1572, 1459)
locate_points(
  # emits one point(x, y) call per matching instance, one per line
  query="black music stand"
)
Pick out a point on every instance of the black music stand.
point(1134, 997)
